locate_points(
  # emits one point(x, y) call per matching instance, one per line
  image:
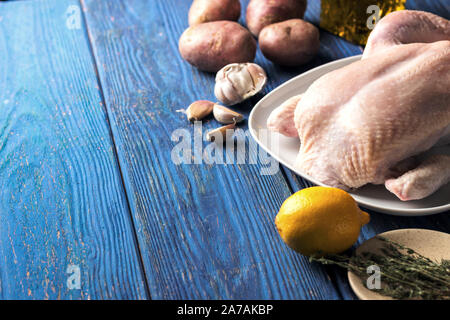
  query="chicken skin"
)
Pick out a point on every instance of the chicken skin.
point(360, 124)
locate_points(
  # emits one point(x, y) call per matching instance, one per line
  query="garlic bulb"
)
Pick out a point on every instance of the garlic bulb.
point(239, 81)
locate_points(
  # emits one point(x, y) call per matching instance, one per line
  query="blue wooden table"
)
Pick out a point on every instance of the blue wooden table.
point(91, 204)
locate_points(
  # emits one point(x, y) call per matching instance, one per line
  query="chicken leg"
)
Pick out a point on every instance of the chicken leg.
point(423, 180)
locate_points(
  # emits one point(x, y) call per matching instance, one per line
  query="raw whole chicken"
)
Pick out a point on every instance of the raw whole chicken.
point(364, 123)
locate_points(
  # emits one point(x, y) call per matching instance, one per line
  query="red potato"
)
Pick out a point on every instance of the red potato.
point(202, 11)
point(289, 43)
point(261, 13)
point(212, 45)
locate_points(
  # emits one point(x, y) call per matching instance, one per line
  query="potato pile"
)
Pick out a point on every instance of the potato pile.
point(215, 40)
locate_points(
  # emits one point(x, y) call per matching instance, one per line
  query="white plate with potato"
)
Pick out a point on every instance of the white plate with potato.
point(285, 150)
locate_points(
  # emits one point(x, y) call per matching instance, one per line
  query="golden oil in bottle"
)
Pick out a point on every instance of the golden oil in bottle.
point(353, 20)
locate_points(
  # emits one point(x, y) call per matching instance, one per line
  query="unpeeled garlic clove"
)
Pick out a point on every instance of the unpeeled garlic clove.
point(224, 115)
point(199, 109)
point(237, 82)
point(222, 131)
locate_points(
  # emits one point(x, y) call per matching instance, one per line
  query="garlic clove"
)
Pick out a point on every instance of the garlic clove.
point(226, 116)
point(199, 109)
point(237, 82)
point(221, 132)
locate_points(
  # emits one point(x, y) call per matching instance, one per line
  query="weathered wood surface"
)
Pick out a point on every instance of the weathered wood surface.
point(206, 231)
point(62, 200)
point(145, 82)
point(89, 181)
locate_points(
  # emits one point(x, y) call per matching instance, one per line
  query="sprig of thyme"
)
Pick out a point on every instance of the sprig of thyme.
point(406, 274)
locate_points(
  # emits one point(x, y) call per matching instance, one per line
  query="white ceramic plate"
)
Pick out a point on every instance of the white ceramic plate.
point(285, 149)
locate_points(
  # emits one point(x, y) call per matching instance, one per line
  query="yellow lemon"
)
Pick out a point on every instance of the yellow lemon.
point(320, 220)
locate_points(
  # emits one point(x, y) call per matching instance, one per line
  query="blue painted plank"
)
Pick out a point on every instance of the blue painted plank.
point(206, 231)
point(331, 48)
point(439, 7)
point(62, 201)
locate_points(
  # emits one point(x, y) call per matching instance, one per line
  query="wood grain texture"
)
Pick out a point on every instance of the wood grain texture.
point(206, 231)
point(62, 200)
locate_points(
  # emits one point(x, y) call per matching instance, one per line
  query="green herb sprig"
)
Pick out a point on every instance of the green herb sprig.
point(405, 274)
